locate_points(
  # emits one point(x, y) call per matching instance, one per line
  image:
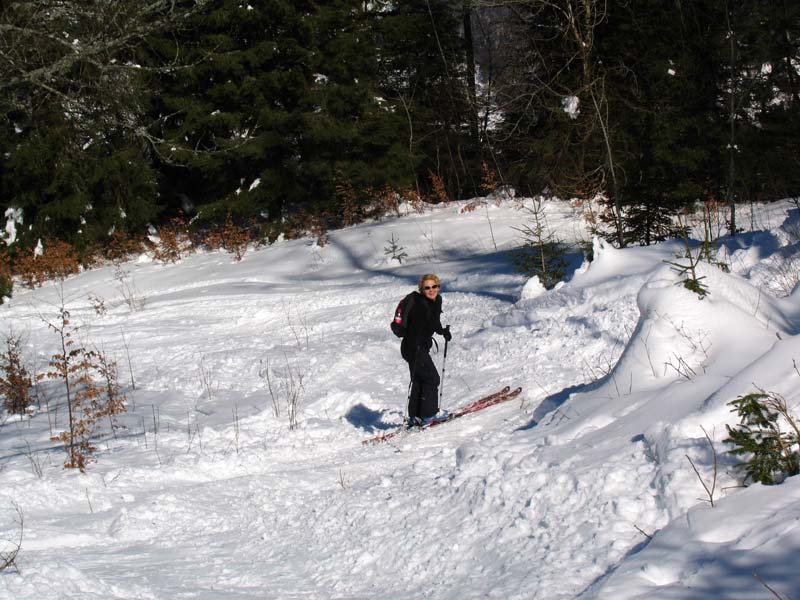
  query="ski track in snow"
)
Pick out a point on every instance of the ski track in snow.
point(538, 498)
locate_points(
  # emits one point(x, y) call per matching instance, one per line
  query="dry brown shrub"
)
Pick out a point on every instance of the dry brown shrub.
point(319, 228)
point(347, 203)
point(213, 239)
point(489, 179)
point(439, 189)
point(235, 238)
point(473, 205)
point(307, 223)
point(15, 379)
point(57, 261)
point(297, 225)
point(389, 200)
point(173, 241)
point(415, 200)
point(584, 208)
point(87, 401)
point(6, 283)
point(122, 246)
point(114, 398)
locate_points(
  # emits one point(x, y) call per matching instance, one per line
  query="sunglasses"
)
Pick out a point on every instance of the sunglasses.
point(431, 287)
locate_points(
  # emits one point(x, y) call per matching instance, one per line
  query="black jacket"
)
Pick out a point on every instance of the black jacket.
point(424, 320)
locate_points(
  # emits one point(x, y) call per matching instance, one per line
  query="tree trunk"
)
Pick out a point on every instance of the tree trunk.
point(732, 118)
point(469, 52)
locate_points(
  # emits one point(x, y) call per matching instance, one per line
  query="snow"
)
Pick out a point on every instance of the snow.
point(580, 490)
point(571, 106)
point(14, 217)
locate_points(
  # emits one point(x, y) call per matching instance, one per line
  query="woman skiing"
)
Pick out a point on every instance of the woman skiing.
point(423, 320)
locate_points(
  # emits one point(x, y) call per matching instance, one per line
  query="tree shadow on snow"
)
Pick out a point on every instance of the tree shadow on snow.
point(763, 243)
point(367, 419)
point(473, 273)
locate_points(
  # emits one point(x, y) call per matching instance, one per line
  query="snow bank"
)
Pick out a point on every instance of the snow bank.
point(211, 491)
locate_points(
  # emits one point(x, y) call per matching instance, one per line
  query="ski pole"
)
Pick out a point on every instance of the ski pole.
point(444, 362)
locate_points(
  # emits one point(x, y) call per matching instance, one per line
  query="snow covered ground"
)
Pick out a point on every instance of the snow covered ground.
point(582, 489)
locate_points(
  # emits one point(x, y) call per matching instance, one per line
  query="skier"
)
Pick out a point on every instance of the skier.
point(423, 320)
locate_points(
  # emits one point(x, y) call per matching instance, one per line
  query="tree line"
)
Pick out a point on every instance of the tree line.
point(117, 114)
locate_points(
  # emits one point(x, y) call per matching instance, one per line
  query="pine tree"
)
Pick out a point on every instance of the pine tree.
point(278, 99)
point(541, 254)
point(425, 79)
point(73, 154)
point(768, 453)
point(231, 116)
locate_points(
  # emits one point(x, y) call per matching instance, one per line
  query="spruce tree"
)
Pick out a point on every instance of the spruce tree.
point(277, 103)
point(424, 76)
point(73, 155)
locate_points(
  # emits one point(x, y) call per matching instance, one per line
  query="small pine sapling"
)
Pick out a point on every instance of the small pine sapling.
point(541, 254)
point(691, 281)
point(394, 250)
point(769, 454)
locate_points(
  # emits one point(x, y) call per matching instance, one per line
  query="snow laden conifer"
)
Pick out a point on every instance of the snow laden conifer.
point(769, 454)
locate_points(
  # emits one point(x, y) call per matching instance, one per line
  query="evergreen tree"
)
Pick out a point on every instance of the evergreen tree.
point(351, 139)
point(623, 98)
point(72, 156)
point(763, 103)
point(277, 104)
point(230, 119)
point(424, 75)
point(768, 453)
point(669, 112)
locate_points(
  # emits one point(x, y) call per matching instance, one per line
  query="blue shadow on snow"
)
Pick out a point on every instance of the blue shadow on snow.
point(365, 418)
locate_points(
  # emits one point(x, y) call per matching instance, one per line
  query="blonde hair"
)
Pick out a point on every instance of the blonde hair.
point(428, 277)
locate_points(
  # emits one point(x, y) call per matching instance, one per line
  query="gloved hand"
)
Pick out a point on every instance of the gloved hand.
point(446, 334)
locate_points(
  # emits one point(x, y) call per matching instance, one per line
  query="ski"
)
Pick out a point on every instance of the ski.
point(478, 405)
point(486, 401)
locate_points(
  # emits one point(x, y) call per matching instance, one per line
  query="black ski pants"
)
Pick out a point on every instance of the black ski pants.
point(423, 402)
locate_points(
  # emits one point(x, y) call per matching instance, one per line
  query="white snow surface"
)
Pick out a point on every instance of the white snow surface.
point(13, 218)
point(580, 489)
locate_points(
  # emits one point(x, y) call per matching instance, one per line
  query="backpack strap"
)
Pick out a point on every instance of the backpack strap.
point(408, 304)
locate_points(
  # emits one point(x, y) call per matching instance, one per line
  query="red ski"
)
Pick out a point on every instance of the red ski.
point(496, 398)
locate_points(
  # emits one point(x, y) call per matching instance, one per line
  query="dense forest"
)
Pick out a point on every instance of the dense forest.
point(117, 115)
